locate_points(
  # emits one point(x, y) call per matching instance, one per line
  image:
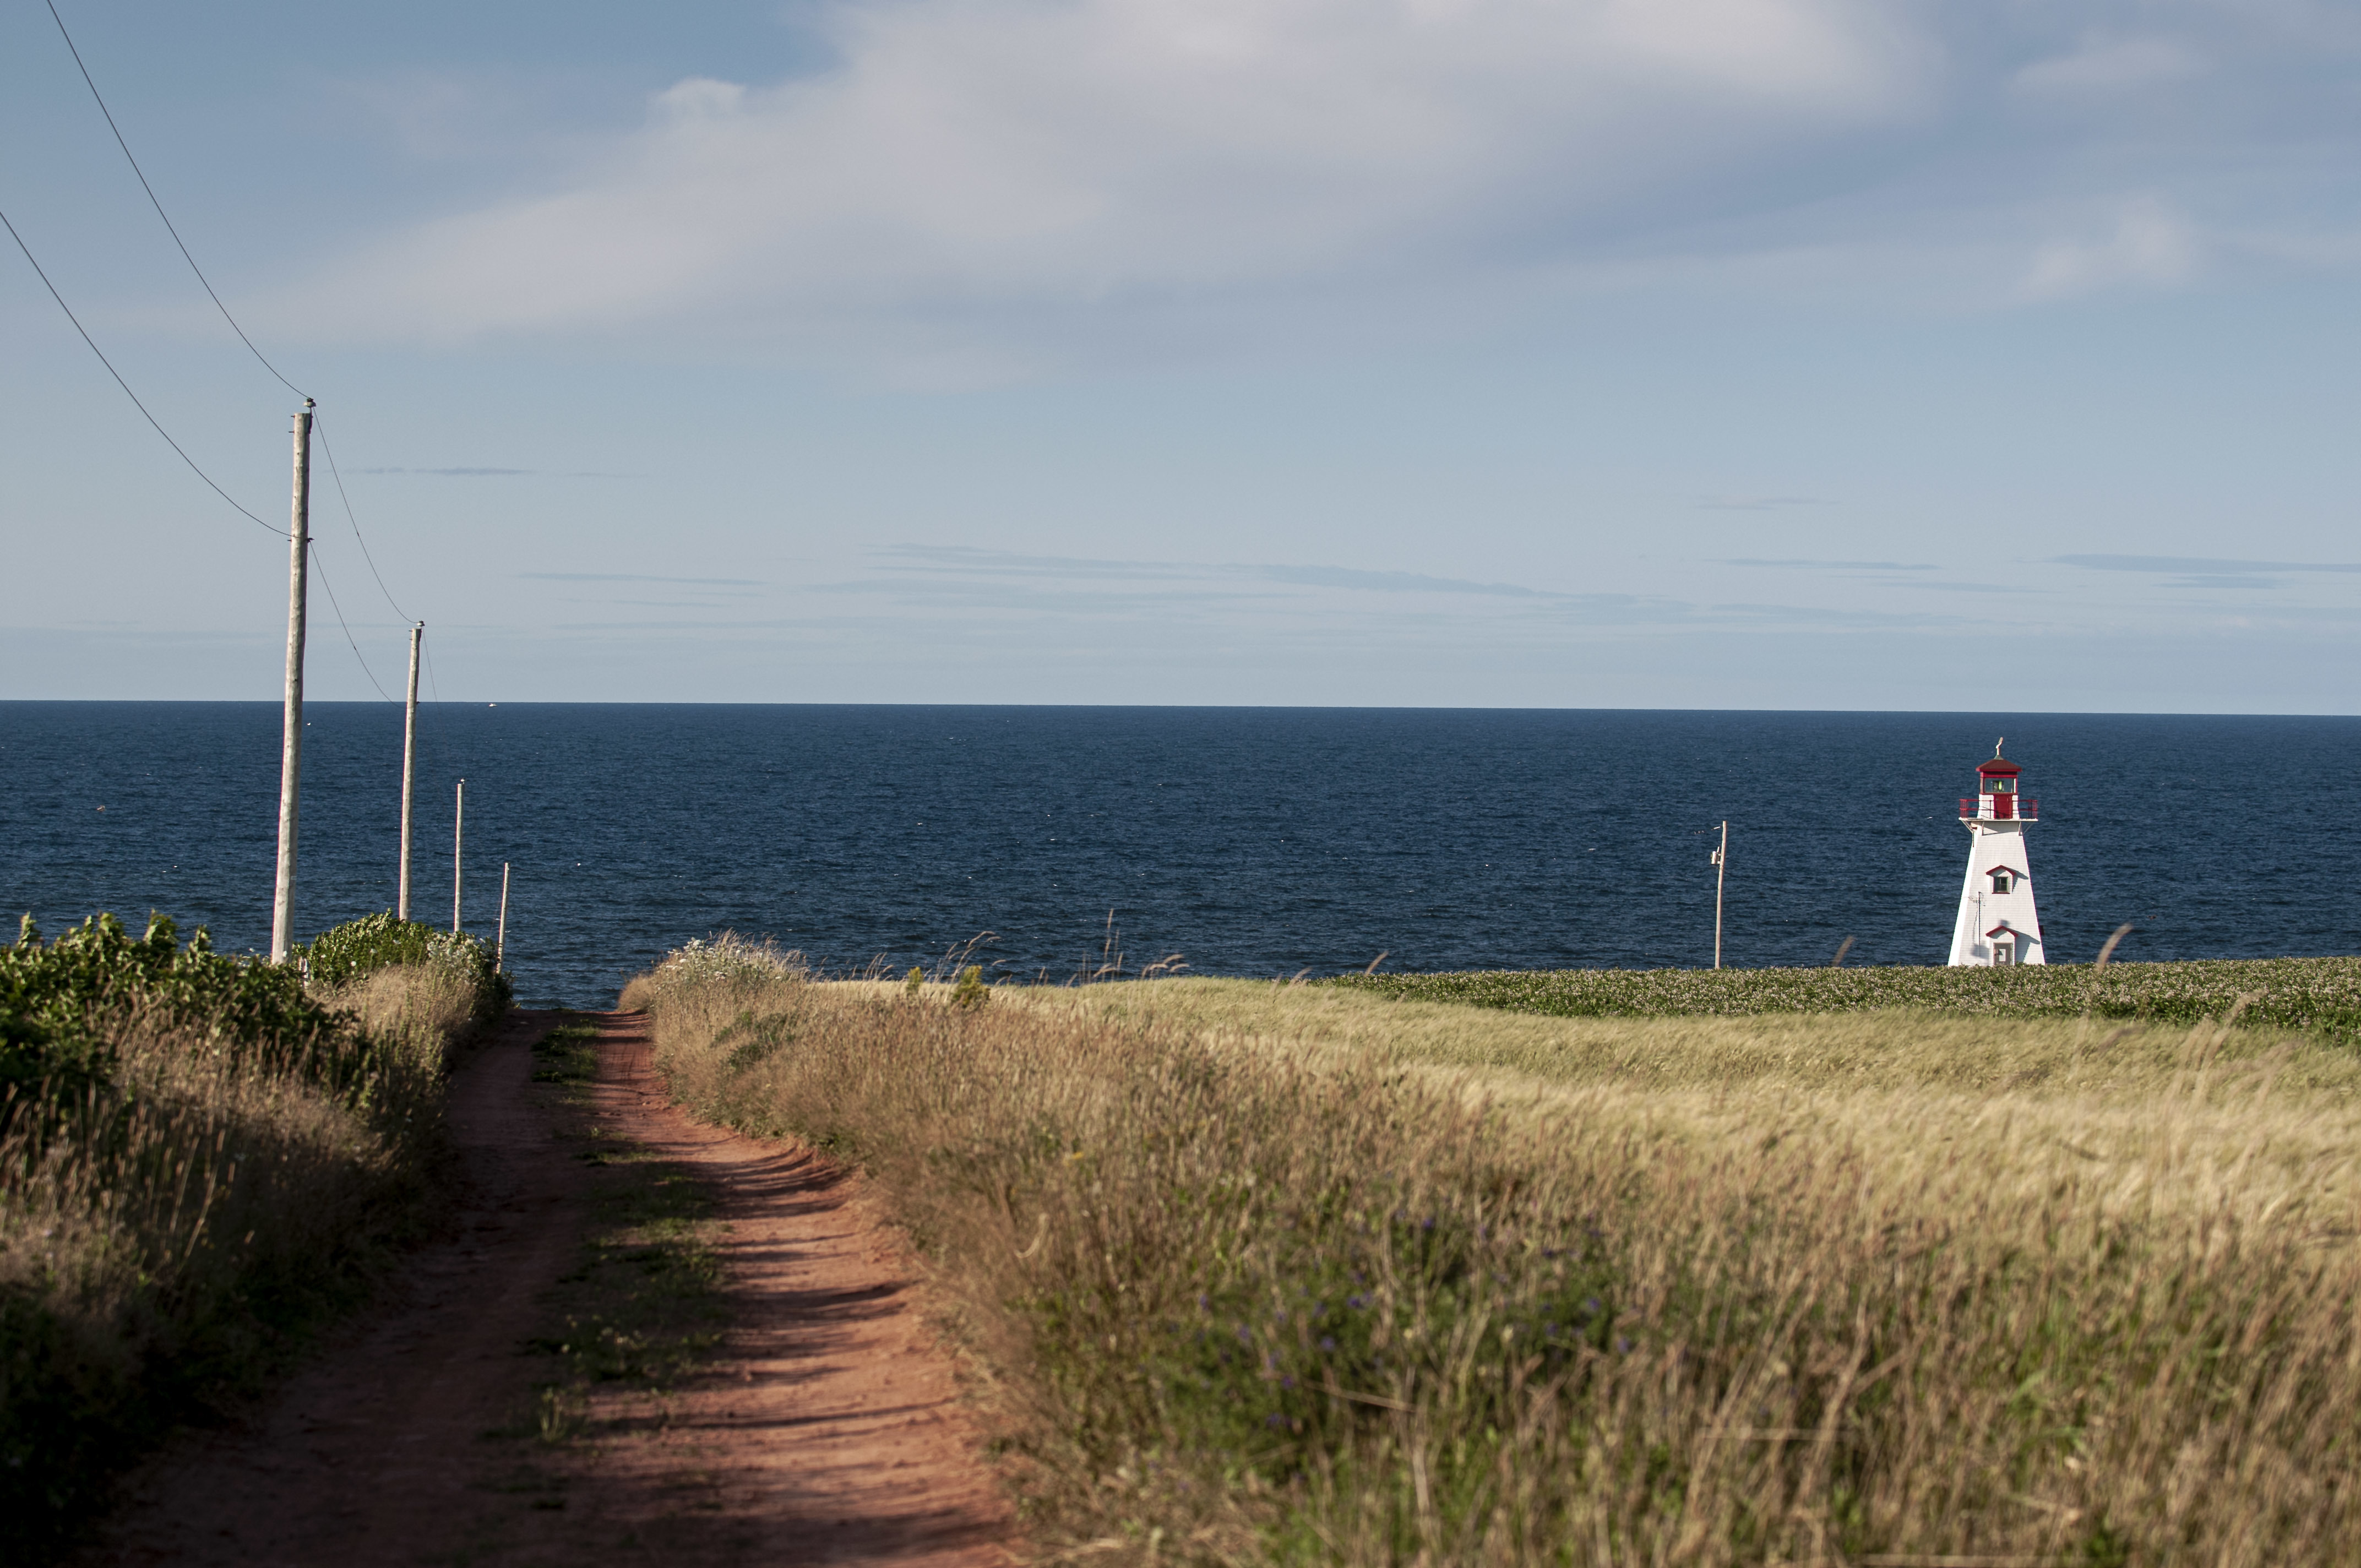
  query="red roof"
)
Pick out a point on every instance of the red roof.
point(1999, 767)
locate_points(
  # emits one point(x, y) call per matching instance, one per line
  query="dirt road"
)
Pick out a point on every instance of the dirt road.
point(825, 1428)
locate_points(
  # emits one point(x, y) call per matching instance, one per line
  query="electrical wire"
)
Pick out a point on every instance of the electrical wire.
point(119, 381)
point(330, 453)
point(260, 359)
point(340, 619)
point(152, 201)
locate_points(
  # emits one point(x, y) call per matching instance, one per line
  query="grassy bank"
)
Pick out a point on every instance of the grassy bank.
point(199, 1158)
point(1271, 1273)
point(2320, 996)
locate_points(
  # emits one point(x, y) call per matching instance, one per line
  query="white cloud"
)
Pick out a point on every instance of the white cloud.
point(976, 189)
point(2111, 65)
point(2148, 242)
point(973, 155)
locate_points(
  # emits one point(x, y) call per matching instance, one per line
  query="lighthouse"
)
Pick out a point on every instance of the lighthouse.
point(1997, 924)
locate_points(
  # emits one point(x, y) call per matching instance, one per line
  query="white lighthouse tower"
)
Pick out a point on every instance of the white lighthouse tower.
point(1997, 924)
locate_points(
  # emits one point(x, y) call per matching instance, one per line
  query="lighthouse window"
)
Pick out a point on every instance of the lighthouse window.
point(2003, 786)
point(2001, 881)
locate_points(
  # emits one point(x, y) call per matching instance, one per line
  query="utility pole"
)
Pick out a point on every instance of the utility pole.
point(291, 744)
point(1720, 874)
point(458, 845)
point(500, 942)
point(409, 769)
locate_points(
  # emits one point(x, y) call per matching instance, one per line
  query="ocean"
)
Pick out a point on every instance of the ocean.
point(1237, 841)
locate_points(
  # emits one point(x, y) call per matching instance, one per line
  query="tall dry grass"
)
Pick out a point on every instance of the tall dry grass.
point(168, 1236)
point(1249, 1296)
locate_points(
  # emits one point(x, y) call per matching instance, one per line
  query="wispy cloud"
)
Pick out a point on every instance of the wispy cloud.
point(1799, 563)
point(2104, 64)
point(501, 473)
point(967, 578)
point(2208, 571)
point(2208, 564)
point(453, 473)
point(2142, 240)
point(638, 577)
point(969, 561)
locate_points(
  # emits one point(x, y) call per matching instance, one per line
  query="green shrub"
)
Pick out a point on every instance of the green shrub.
point(345, 953)
point(198, 1162)
point(52, 998)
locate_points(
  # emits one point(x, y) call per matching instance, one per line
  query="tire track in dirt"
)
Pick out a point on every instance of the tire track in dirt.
point(825, 1428)
point(832, 1432)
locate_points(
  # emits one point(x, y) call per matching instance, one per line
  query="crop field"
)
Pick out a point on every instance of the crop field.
point(1270, 1273)
point(2320, 996)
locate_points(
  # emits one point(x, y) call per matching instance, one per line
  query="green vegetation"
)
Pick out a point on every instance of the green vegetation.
point(2318, 995)
point(343, 954)
point(643, 1309)
point(1293, 1273)
point(568, 1054)
point(59, 1003)
point(199, 1159)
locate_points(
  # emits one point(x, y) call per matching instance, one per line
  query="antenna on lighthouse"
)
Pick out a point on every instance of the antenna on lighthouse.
point(1998, 745)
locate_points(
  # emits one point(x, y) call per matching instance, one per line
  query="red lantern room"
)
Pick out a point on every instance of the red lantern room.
point(1996, 798)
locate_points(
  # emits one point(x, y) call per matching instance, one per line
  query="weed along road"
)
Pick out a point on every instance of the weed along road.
point(641, 1339)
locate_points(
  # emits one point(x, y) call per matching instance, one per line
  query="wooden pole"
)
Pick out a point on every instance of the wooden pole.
point(291, 741)
point(501, 943)
point(458, 847)
point(409, 769)
point(1720, 875)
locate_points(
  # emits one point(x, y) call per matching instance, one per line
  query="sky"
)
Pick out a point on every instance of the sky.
point(1956, 355)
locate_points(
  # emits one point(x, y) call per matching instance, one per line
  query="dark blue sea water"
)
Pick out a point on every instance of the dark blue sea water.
point(1254, 841)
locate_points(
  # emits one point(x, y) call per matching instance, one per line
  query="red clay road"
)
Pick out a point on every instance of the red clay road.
point(827, 1428)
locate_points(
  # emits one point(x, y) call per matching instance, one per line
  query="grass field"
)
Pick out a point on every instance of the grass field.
point(1310, 1273)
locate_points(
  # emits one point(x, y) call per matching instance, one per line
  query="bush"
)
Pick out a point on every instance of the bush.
point(54, 999)
point(343, 954)
point(727, 963)
point(198, 1161)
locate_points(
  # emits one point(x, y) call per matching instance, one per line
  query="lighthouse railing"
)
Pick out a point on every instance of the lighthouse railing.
point(1999, 808)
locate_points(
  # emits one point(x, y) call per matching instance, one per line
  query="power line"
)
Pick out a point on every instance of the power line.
point(330, 453)
point(340, 619)
point(152, 201)
point(119, 381)
point(260, 359)
point(206, 283)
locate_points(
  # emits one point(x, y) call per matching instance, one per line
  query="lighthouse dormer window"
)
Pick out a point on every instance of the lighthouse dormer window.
point(2002, 881)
